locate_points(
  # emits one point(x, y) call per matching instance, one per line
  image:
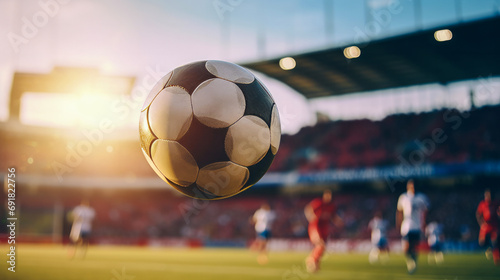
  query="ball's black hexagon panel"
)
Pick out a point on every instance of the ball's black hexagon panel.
point(258, 101)
point(205, 144)
point(190, 76)
point(193, 191)
point(259, 169)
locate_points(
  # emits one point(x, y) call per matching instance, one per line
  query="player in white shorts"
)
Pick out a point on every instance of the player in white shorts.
point(411, 211)
point(434, 234)
point(263, 219)
point(82, 216)
point(378, 226)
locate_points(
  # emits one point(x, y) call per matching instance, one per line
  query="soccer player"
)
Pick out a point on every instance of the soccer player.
point(488, 222)
point(320, 212)
point(263, 219)
point(82, 216)
point(435, 236)
point(378, 226)
point(411, 211)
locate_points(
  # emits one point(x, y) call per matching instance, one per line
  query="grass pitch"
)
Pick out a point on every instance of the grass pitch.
point(136, 263)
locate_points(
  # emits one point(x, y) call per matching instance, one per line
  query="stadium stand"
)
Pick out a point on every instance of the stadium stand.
point(470, 136)
point(142, 214)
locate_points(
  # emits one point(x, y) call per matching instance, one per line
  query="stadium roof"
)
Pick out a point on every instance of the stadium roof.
point(410, 59)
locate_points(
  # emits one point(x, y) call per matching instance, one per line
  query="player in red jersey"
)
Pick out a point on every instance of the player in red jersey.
point(319, 213)
point(487, 217)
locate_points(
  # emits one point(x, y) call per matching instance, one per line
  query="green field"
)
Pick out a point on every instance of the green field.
point(134, 263)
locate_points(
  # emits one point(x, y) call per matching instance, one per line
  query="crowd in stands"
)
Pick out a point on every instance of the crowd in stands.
point(456, 137)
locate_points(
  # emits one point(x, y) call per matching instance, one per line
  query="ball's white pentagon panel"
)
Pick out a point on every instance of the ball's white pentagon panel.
point(174, 162)
point(145, 134)
point(156, 89)
point(248, 140)
point(171, 113)
point(229, 71)
point(275, 130)
point(218, 103)
point(153, 166)
point(222, 178)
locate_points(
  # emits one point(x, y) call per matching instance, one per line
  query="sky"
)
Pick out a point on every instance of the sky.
point(132, 37)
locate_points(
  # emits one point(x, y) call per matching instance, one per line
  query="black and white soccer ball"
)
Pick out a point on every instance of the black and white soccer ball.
point(210, 129)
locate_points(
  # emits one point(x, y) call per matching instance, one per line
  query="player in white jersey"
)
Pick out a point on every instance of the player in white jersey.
point(411, 211)
point(378, 226)
point(263, 219)
point(434, 234)
point(82, 216)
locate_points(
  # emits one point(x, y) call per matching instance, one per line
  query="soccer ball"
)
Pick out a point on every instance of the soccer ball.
point(210, 129)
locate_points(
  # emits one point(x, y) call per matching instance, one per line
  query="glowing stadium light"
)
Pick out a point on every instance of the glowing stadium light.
point(109, 149)
point(443, 35)
point(79, 110)
point(107, 67)
point(287, 63)
point(352, 52)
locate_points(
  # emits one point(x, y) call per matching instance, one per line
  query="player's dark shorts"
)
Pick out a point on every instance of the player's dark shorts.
point(436, 247)
point(266, 234)
point(382, 243)
point(413, 237)
point(85, 235)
